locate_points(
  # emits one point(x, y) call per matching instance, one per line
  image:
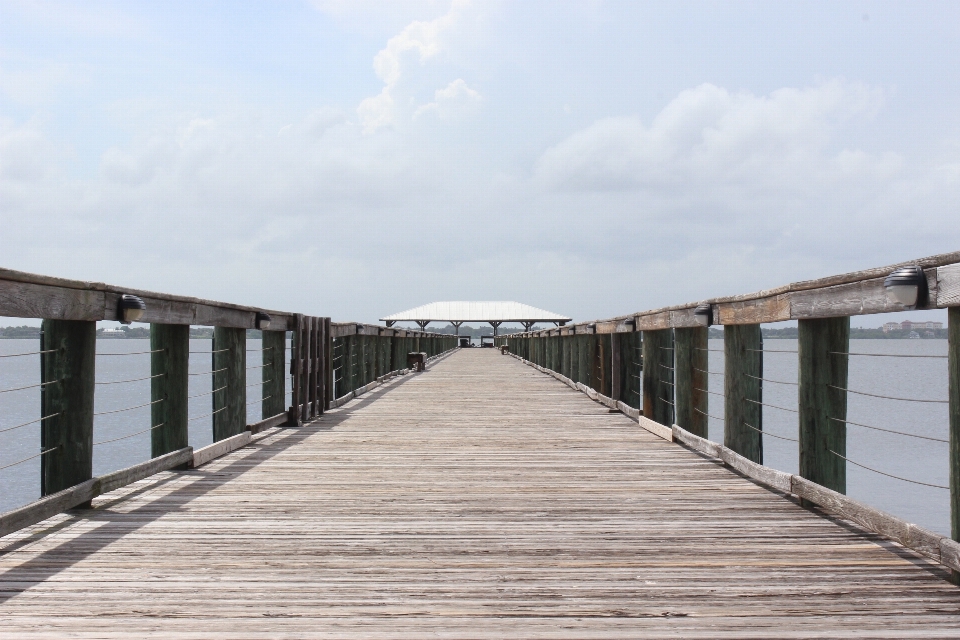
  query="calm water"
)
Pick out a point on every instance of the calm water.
point(912, 458)
point(21, 483)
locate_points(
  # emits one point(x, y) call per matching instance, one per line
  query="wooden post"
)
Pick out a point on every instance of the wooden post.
point(296, 369)
point(822, 369)
point(953, 367)
point(690, 363)
point(170, 344)
point(743, 353)
point(616, 366)
point(274, 387)
point(349, 357)
point(314, 378)
point(658, 375)
point(603, 364)
point(327, 365)
point(307, 374)
point(582, 367)
point(230, 365)
point(68, 434)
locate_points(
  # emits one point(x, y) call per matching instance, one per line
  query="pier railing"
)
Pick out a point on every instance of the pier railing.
point(655, 366)
point(327, 364)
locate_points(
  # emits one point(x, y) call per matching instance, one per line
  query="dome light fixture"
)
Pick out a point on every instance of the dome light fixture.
point(704, 315)
point(907, 286)
point(263, 321)
point(130, 308)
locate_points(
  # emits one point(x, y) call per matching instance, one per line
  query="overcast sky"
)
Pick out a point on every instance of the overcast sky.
point(355, 159)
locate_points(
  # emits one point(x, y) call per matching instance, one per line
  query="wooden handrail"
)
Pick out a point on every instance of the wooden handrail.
point(848, 294)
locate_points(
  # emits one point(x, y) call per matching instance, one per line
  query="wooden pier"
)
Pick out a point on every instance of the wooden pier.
point(481, 498)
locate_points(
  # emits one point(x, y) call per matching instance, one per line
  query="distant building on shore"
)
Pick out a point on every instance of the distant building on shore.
point(909, 325)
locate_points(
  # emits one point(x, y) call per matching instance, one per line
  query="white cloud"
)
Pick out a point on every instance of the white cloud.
point(422, 40)
point(711, 134)
point(455, 98)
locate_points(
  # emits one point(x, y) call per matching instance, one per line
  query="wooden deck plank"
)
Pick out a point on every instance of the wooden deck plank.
point(479, 499)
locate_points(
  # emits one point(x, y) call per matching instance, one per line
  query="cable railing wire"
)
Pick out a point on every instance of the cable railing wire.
point(706, 391)
point(128, 436)
point(796, 384)
point(206, 393)
point(29, 353)
point(217, 351)
point(139, 406)
point(713, 373)
point(902, 433)
point(25, 424)
point(257, 383)
point(32, 386)
point(132, 353)
point(667, 401)
point(767, 433)
point(873, 395)
point(772, 351)
point(704, 413)
point(42, 453)
point(884, 355)
point(773, 406)
point(159, 375)
point(203, 373)
point(889, 475)
point(207, 415)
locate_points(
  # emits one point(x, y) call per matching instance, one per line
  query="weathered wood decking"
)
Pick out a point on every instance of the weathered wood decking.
point(480, 499)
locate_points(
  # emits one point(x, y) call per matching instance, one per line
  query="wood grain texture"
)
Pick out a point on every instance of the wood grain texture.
point(170, 344)
point(213, 451)
point(229, 362)
point(480, 499)
point(24, 300)
point(690, 362)
point(948, 286)
point(953, 365)
point(657, 389)
point(772, 309)
point(273, 375)
point(67, 405)
point(822, 346)
point(743, 390)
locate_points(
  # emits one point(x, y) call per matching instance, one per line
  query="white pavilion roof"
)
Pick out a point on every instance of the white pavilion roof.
point(476, 312)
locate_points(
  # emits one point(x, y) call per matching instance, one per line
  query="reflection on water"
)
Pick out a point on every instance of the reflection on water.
point(922, 460)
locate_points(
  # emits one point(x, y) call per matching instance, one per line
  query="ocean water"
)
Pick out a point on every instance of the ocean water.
point(117, 436)
point(908, 457)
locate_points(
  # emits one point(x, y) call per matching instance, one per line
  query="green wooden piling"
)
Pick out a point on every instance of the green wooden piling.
point(230, 366)
point(67, 435)
point(327, 364)
point(690, 362)
point(822, 346)
point(170, 361)
point(658, 375)
point(616, 366)
point(274, 390)
point(953, 364)
point(743, 353)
